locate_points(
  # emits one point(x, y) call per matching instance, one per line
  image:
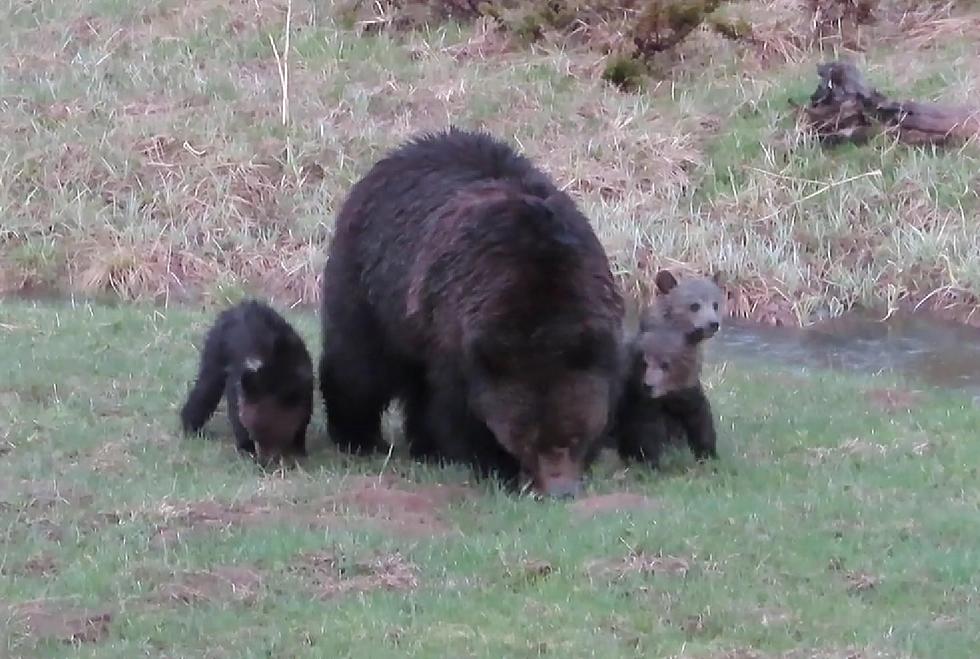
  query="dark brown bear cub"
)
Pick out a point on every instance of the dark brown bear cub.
point(260, 364)
point(463, 282)
point(663, 396)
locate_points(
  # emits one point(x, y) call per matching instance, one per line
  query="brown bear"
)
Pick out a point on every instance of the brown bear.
point(461, 281)
point(663, 397)
point(253, 357)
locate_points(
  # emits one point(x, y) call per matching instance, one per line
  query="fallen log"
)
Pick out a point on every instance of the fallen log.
point(845, 108)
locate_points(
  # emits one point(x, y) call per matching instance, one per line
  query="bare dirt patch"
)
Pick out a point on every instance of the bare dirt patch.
point(222, 584)
point(213, 515)
point(329, 578)
point(616, 502)
point(44, 620)
point(386, 504)
point(393, 505)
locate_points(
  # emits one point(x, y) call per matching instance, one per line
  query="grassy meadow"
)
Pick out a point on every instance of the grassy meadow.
point(145, 153)
point(145, 161)
point(844, 528)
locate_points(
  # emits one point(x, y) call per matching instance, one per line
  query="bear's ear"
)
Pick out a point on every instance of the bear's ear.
point(545, 227)
point(665, 281)
point(538, 208)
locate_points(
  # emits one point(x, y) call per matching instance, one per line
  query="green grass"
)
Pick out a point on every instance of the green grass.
point(144, 153)
point(830, 526)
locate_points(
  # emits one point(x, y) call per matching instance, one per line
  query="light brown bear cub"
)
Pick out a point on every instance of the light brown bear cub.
point(693, 305)
point(663, 396)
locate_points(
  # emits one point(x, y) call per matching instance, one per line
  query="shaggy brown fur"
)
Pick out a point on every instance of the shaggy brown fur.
point(463, 282)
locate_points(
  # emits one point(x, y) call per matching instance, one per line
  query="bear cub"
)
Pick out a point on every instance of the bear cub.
point(254, 357)
point(663, 397)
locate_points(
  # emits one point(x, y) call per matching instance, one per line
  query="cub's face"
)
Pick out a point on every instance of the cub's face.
point(695, 304)
point(274, 404)
point(272, 426)
point(667, 361)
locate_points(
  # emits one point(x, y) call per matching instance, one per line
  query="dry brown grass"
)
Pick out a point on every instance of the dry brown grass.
point(145, 154)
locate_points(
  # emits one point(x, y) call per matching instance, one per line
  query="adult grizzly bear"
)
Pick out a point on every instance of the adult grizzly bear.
point(462, 281)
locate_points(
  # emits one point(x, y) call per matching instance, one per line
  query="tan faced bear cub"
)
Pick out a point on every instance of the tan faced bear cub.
point(463, 282)
point(693, 305)
point(253, 357)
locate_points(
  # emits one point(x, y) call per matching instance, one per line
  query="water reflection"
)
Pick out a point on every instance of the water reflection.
point(935, 351)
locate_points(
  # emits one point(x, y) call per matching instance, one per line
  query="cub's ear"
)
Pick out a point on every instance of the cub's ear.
point(718, 278)
point(665, 281)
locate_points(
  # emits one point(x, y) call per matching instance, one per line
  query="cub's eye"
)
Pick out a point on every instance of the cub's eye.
point(715, 306)
point(695, 307)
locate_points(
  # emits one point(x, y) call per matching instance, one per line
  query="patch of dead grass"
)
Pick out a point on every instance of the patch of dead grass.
point(891, 400)
point(163, 203)
point(40, 565)
point(40, 495)
point(120, 36)
point(185, 518)
point(329, 578)
point(47, 620)
point(220, 584)
point(642, 563)
point(919, 25)
point(855, 448)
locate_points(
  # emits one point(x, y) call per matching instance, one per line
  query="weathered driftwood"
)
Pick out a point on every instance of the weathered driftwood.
point(844, 108)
